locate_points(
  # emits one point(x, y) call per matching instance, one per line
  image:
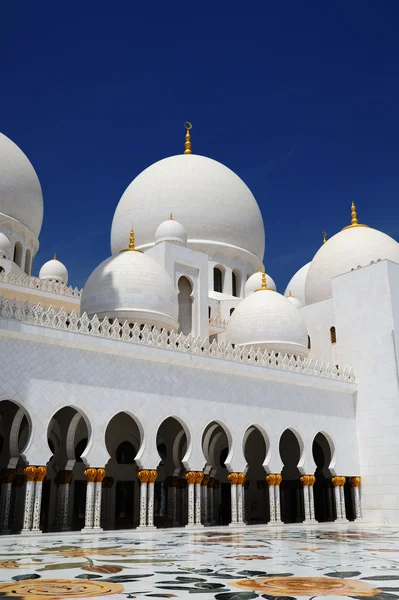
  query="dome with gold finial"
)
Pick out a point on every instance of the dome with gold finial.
point(54, 270)
point(268, 320)
point(255, 281)
point(294, 301)
point(171, 231)
point(356, 245)
point(204, 195)
point(131, 286)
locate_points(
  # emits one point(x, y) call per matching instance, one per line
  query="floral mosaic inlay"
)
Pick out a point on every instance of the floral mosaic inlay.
point(259, 562)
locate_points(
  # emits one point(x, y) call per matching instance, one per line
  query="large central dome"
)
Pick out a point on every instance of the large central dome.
point(212, 203)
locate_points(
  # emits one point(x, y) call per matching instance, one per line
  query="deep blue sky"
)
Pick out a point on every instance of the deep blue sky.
point(301, 99)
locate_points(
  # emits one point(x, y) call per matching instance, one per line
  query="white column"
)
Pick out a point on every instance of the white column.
point(143, 476)
point(97, 505)
point(305, 483)
point(152, 475)
point(270, 480)
point(311, 498)
point(342, 495)
point(211, 501)
point(198, 503)
point(278, 479)
point(37, 506)
point(337, 495)
point(6, 490)
point(204, 491)
point(90, 475)
point(356, 496)
point(232, 477)
point(190, 491)
point(28, 508)
point(240, 503)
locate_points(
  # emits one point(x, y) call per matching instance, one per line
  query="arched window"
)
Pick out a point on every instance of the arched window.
point(27, 262)
point(234, 283)
point(18, 254)
point(231, 311)
point(333, 335)
point(217, 280)
point(185, 306)
point(125, 453)
point(309, 343)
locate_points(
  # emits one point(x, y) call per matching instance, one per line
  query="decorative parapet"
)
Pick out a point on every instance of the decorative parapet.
point(45, 285)
point(160, 338)
point(218, 322)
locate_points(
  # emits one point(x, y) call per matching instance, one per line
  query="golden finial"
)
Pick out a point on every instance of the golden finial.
point(55, 256)
point(290, 295)
point(354, 221)
point(259, 269)
point(187, 145)
point(171, 217)
point(264, 284)
point(324, 237)
point(131, 247)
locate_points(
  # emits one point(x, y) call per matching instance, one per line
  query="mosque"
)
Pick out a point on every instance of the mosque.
point(179, 387)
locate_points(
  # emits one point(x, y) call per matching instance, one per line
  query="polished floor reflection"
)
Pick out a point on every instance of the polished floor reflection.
point(222, 563)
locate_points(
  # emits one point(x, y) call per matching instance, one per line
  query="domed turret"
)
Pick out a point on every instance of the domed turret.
point(205, 195)
point(268, 320)
point(171, 231)
point(5, 246)
point(297, 283)
point(131, 286)
point(294, 301)
point(54, 270)
point(355, 245)
point(255, 282)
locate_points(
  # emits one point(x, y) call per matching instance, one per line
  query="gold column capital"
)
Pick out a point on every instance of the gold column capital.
point(30, 473)
point(152, 475)
point(101, 472)
point(41, 473)
point(191, 477)
point(278, 478)
point(205, 480)
point(241, 479)
point(143, 475)
point(211, 482)
point(90, 474)
point(270, 479)
point(233, 478)
point(356, 481)
point(338, 481)
point(8, 475)
point(308, 480)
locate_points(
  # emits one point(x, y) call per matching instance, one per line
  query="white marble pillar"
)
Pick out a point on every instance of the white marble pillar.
point(198, 503)
point(6, 490)
point(338, 483)
point(277, 481)
point(342, 495)
point(306, 480)
point(152, 476)
point(270, 480)
point(211, 501)
point(204, 492)
point(41, 473)
point(356, 481)
point(98, 490)
point(191, 478)
point(240, 502)
point(312, 480)
point(143, 476)
point(233, 478)
point(90, 475)
point(28, 507)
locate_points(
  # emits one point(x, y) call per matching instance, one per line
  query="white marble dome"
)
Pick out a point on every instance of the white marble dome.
point(344, 251)
point(255, 282)
point(5, 246)
point(216, 207)
point(20, 192)
point(171, 231)
point(54, 270)
point(294, 301)
point(268, 320)
point(297, 283)
point(131, 286)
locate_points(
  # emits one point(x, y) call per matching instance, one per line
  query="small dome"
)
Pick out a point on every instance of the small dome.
point(255, 282)
point(297, 284)
point(171, 231)
point(131, 286)
point(5, 246)
point(20, 192)
point(294, 300)
point(54, 270)
point(268, 320)
point(354, 245)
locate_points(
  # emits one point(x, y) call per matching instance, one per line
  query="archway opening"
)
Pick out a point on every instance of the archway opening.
point(217, 280)
point(67, 438)
point(291, 495)
point(121, 493)
point(185, 306)
point(236, 283)
point(257, 508)
point(215, 445)
point(28, 259)
point(323, 489)
point(170, 503)
point(15, 431)
point(18, 250)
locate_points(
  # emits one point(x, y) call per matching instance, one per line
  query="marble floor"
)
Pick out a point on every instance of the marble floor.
point(221, 563)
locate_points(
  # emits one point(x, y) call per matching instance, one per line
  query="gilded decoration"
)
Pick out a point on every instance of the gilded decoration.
point(308, 480)
point(233, 478)
point(63, 477)
point(356, 481)
point(90, 475)
point(191, 477)
point(278, 479)
point(152, 475)
point(308, 586)
point(338, 481)
point(143, 475)
point(30, 473)
point(211, 482)
point(100, 475)
point(270, 479)
point(241, 479)
point(41, 473)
